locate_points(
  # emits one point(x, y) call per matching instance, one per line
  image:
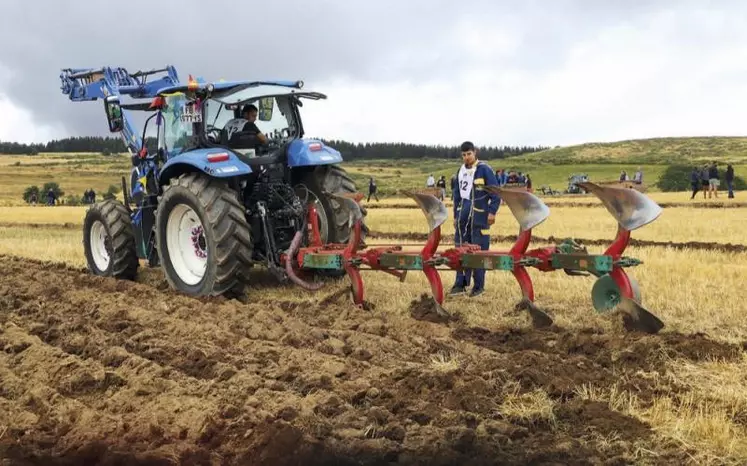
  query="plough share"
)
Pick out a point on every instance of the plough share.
point(613, 288)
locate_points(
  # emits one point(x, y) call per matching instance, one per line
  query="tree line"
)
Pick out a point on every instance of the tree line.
point(351, 151)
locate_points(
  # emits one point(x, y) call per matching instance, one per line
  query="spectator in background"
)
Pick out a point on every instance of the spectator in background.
point(51, 197)
point(638, 176)
point(430, 182)
point(623, 176)
point(500, 176)
point(695, 181)
point(729, 177)
point(372, 190)
point(441, 185)
point(529, 183)
point(704, 180)
point(713, 180)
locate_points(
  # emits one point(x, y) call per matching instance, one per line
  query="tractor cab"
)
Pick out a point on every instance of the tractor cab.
point(253, 119)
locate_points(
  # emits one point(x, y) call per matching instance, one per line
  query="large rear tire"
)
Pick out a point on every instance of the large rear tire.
point(109, 241)
point(333, 219)
point(333, 179)
point(204, 241)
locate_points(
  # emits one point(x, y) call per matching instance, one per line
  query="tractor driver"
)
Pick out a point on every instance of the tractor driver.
point(246, 125)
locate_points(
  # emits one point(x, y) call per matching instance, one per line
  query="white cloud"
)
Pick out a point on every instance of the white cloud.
point(676, 73)
point(529, 75)
point(17, 124)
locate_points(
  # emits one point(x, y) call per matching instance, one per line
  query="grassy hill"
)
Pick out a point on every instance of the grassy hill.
point(649, 151)
point(601, 161)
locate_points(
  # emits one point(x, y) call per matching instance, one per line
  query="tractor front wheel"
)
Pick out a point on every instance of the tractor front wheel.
point(606, 294)
point(204, 241)
point(109, 241)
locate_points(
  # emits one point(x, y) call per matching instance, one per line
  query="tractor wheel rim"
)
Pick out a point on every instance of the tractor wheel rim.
point(100, 245)
point(186, 243)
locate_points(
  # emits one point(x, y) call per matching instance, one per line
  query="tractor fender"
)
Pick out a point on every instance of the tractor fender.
point(228, 164)
point(311, 152)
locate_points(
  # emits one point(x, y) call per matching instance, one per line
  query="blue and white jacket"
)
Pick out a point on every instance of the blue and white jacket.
point(472, 204)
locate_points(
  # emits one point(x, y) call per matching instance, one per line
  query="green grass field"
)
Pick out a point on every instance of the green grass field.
point(602, 162)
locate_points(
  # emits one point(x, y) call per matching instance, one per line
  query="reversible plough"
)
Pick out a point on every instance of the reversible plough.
point(613, 288)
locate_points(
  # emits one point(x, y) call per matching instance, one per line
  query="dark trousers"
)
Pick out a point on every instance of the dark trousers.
point(730, 186)
point(372, 193)
point(696, 188)
point(472, 236)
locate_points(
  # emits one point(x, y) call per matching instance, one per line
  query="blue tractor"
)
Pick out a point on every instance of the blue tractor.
point(229, 185)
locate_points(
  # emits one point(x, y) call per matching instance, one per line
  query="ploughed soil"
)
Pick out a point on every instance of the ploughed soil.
point(99, 371)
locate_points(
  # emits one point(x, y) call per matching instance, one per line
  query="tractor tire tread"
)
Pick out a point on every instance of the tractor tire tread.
point(117, 220)
point(226, 219)
point(335, 179)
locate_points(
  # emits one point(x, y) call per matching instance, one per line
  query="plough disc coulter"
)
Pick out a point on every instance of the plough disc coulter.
point(613, 288)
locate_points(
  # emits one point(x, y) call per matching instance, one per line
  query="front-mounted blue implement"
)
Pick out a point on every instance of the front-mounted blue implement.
point(613, 289)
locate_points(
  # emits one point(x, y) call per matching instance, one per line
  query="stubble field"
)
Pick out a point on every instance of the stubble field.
point(96, 371)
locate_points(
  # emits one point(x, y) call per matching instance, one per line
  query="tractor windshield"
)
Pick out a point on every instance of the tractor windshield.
point(221, 119)
point(275, 109)
point(276, 118)
point(181, 121)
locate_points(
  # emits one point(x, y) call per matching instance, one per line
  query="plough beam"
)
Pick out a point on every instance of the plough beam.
point(613, 288)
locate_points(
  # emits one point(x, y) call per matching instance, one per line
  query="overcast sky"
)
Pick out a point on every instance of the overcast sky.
point(423, 71)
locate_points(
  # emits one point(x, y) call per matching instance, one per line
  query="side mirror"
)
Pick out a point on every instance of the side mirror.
point(114, 114)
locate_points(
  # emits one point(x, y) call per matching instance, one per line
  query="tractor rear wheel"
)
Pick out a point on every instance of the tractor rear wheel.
point(333, 218)
point(204, 241)
point(333, 179)
point(109, 241)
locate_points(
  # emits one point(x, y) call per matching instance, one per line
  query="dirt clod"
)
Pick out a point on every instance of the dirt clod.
point(426, 308)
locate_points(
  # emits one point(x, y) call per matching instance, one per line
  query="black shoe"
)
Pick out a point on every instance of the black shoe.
point(476, 292)
point(457, 289)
